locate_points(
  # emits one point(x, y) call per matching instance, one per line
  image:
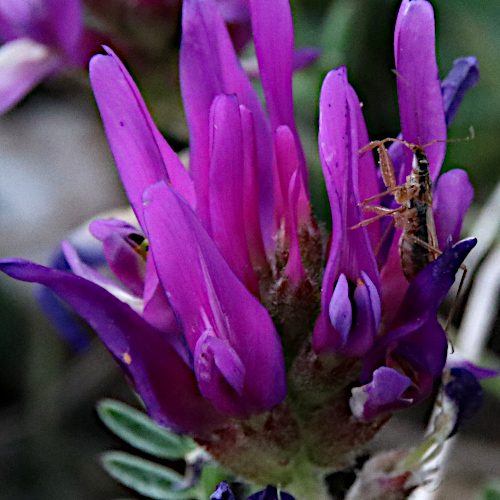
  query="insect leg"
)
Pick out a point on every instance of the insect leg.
point(425, 245)
point(455, 300)
point(382, 211)
point(376, 250)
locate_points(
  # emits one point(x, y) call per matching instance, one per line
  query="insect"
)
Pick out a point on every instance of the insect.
point(418, 244)
point(140, 244)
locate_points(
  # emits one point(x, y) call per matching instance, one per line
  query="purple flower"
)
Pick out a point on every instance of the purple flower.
point(39, 38)
point(350, 294)
point(189, 273)
point(223, 492)
point(220, 283)
point(401, 367)
point(403, 345)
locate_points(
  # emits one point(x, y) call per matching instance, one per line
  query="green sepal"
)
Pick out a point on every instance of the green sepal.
point(138, 430)
point(211, 476)
point(491, 491)
point(147, 478)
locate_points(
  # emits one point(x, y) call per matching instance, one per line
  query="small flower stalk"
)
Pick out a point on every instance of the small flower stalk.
point(281, 349)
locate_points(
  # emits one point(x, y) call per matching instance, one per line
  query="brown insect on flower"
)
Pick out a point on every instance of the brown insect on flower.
point(418, 244)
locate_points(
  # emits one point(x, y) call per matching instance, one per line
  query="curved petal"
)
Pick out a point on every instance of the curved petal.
point(430, 287)
point(60, 314)
point(368, 182)
point(416, 335)
point(23, 65)
point(305, 56)
point(338, 142)
point(89, 273)
point(272, 27)
point(382, 394)
point(366, 326)
point(462, 388)
point(217, 362)
point(451, 200)
point(132, 135)
point(294, 267)
point(226, 188)
point(340, 309)
point(206, 295)
point(419, 89)
point(124, 262)
point(463, 76)
point(150, 361)
point(253, 231)
point(208, 67)
point(287, 163)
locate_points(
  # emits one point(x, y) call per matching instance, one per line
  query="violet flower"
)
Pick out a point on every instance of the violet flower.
point(223, 492)
point(407, 353)
point(39, 39)
point(195, 294)
point(219, 298)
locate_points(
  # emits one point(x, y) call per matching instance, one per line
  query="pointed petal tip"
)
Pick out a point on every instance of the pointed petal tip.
point(464, 246)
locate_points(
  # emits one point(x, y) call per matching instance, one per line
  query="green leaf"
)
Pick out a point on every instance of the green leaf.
point(492, 491)
point(137, 429)
point(147, 478)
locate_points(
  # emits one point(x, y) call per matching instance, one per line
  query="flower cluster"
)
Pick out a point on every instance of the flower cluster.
point(230, 314)
point(42, 37)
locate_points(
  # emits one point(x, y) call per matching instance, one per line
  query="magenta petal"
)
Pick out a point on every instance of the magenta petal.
point(167, 386)
point(287, 163)
point(253, 231)
point(367, 317)
point(382, 394)
point(272, 27)
point(102, 228)
point(205, 294)
point(324, 337)
point(375, 303)
point(367, 171)
point(419, 88)
point(84, 270)
point(125, 263)
point(158, 313)
point(305, 56)
point(351, 253)
point(23, 65)
point(208, 67)
point(132, 135)
point(226, 188)
point(54, 23)
point(224, 362)
point(338, 143)
point(340, 309)
point(294, 267)
point(65, 23)
point(451, 200)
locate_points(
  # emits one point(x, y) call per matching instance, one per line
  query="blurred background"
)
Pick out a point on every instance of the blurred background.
point(56, 172)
